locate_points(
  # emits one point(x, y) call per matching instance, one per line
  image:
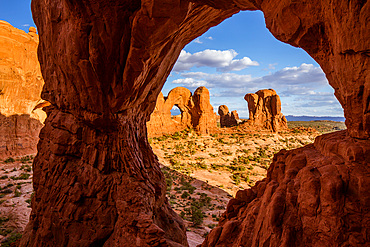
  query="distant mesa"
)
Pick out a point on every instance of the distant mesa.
point(196, 112)
point(265, 110)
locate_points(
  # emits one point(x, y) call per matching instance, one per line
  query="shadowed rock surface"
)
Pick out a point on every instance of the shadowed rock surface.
point(96, 180)
point(265, 110)
point(313, 196)
point(20, 89)
point(228, 119)
point(196, 112)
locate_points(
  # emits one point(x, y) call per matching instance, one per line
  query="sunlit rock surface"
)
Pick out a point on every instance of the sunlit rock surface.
point(21, 83)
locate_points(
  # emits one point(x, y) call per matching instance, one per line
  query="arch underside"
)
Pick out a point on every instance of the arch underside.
point(96, 179)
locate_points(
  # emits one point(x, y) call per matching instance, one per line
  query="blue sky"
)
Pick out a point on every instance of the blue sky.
point(237, 57)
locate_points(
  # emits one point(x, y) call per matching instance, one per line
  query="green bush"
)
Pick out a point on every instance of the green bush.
point(9, 160)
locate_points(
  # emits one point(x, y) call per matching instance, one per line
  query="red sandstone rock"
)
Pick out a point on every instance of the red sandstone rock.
point(20, 89)
point(96, 179)
point(313, 196)
point(228, 119)
point(265, 110)
point(196, 112)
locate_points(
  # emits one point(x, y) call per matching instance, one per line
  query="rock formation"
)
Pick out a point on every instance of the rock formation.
point(313, 196)
point(196, 112)
point(20, 91)
point(265, 110)
point(228, 119)
point(96, 179)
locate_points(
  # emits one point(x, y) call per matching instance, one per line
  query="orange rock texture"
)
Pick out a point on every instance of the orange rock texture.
point(316, 195)
point(196, 112)
point(96, 179)
point(20, 89)
point(228, 119)
point(265, 110)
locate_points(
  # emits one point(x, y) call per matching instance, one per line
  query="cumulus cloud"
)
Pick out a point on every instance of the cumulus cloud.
point(210, 38)
point(222, 60)
point(290, 81)
point(223, 80)
point(302, 75)
point(305, 87)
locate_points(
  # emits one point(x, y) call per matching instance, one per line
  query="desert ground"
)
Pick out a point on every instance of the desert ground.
point(202, 173)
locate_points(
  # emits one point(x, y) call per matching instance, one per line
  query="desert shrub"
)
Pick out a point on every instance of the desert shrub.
point(9, 160)
point(17, 193)
point(197, 215)
point(201, 165)
point(26, 158)
point(23, 176)
point(11, 239)
point(185, 194)
point(236, 178)
point(26, 168)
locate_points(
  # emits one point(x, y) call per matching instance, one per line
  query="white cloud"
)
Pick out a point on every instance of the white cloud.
point(303, 87)
point(197, 40)
point(26, 25)
point(222, 60)
point(210, 38)
point(304, 74)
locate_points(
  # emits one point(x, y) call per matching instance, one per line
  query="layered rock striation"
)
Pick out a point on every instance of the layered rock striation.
point(228, 119)
point(265, 110)
point(196, 112)
point(20, 91)
point(96, 179)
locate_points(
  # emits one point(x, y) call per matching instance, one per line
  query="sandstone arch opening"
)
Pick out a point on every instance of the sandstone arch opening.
point(95, 139)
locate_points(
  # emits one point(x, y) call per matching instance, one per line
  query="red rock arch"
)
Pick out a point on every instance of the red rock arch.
point(96, 179)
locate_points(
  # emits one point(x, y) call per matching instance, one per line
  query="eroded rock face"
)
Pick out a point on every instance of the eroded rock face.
point(312, 196)
point(265, 110)
point(228, 119)
point(196, 112)
point(96, 179)
point(20, 91)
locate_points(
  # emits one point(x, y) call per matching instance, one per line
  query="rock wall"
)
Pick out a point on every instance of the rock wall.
point(265, 110)
point(228, 119)
point(313, 196)
point(20, 91)
point(96, 180)
point(196, 112)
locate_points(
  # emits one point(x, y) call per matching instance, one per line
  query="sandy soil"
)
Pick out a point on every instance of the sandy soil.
point(217, 166)
point(202, 173)
point(15, 197)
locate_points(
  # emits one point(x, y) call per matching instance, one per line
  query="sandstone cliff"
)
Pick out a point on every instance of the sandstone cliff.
point(265, 110)
point(196, 112)
point(20, 89)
